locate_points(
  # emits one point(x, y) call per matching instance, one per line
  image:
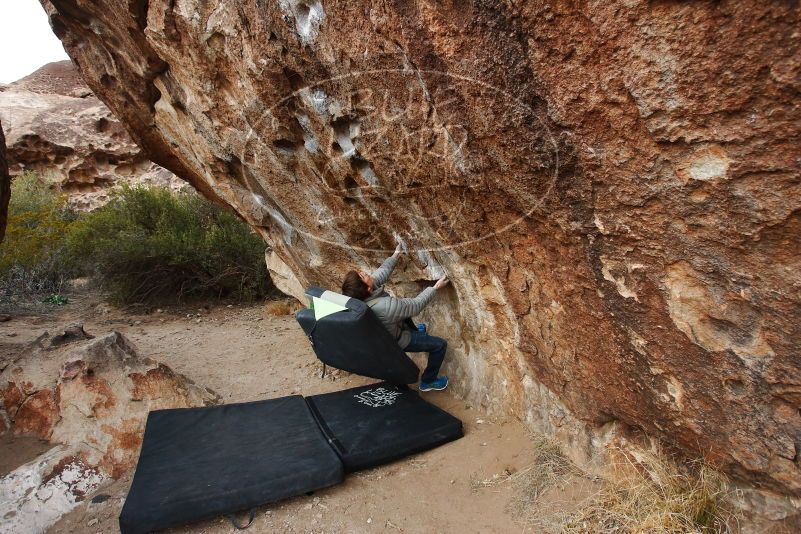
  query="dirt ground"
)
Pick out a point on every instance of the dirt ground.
point(245, 353)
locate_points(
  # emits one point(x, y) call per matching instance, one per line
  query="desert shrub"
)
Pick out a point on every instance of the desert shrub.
point(33, 256)
point(153, 245)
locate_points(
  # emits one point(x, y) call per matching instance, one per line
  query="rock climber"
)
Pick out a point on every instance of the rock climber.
point(396, 313)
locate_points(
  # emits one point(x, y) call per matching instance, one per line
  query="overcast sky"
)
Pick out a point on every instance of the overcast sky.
point(26, 40)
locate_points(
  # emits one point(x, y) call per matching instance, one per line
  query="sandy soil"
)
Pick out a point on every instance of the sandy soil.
point(244, 353)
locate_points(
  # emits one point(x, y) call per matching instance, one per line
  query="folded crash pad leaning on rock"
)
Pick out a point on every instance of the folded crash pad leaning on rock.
point(197, 463)
point(346, 334)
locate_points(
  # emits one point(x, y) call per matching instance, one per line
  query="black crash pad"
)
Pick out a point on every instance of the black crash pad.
point(379, 423)
point(354, 340)
point(198, 463)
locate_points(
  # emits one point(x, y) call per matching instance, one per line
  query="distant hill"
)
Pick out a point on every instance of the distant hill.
point(57, 127)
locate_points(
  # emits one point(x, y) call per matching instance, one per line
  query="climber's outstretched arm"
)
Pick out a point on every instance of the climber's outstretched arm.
point(382, 274)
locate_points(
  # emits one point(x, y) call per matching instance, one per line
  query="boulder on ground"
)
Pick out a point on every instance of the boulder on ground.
point(89, 397)
point(73, 389)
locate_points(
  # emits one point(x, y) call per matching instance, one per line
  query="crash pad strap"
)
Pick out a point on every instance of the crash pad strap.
point(237, 525)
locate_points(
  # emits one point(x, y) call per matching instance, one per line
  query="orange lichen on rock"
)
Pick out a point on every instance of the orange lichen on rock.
point(126, 439)
point(12, 397)
point(37, 415)
point(84, 398)
point(155, 384)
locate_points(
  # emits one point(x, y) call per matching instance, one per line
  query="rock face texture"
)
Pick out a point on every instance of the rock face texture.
point(58, 128)
point(614, 190)
point(89, 397)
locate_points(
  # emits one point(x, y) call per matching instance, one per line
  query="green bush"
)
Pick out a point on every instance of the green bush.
point(153, 245)
point(145, 246)
point(33, 258)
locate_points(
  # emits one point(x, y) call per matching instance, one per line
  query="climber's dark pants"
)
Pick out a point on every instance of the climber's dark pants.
point(434, 346)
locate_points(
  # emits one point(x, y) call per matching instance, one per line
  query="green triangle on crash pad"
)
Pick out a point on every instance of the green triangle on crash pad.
point(323, 308)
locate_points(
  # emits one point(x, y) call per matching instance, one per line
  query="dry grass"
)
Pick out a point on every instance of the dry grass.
point(278, 307)
point(549, 469)
point(551, 473)
point(650, 493)
point(641, 493)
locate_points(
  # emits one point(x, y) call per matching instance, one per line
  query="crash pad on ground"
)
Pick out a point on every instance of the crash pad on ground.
point(375, 424)
point(198, 463)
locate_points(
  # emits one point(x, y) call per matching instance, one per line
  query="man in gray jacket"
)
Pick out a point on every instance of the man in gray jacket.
point(396, 313)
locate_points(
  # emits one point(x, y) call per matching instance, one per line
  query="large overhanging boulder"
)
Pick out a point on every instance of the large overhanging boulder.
point(614, 191)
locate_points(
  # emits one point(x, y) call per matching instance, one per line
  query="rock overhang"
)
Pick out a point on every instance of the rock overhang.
point(615, 197)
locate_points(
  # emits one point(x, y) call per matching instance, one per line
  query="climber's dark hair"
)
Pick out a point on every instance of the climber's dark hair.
point(354, 286)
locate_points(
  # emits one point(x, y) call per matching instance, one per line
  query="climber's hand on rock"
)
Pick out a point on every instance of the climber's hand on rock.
point(442, 282)
point(398, 251)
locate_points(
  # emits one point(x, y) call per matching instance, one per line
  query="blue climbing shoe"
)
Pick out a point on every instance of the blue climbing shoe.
point(435, 385)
